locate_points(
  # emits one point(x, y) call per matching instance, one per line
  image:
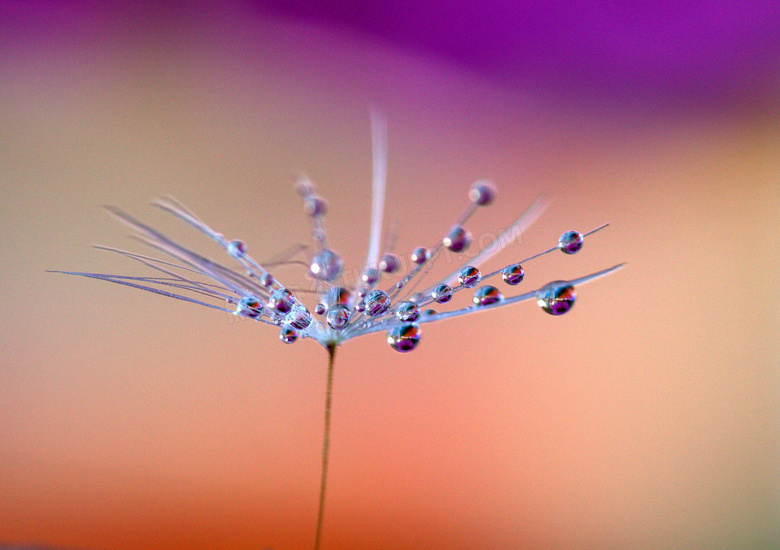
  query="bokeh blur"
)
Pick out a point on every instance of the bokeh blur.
point(647, 417)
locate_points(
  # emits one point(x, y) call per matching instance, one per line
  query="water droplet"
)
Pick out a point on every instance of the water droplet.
point(299, 317)
point(407, 312)
point(457, 239)
point(266, 280)
point(469, 276)
point(288, 335)
point(403, 338)
point(513, 274)
point(362, 292)
point(281, 300)
point(338, 317)
point(377, 302)
point(370, 275)
point(442, 293)
point(482, 192)
point(319, 309)
point(314, 205)
point(337, 295)
point(361, 306)
point(570, 242)
point(486, 295)
point(389, 263)
point(419, 255)
point(428, 312)
point(249, 307)
point(326, 265)
point(556, 298)
point(236, 248)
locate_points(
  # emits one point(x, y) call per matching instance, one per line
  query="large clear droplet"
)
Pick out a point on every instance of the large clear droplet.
point(337, 317)
point(469, 276)
point(249, 307)
point(457, 239)
point(281, 300)
point(288, 335)
point(377, 302)
point(326, 265)
point(419, 255)
point(407, 312)
point(486, 295)
point(556, 298)
point(236, 248)
point(513, 274)
point(482, 192)
point(299, 317)
point(403, 338)
point(442, 293)
point(571, 242)
point(389, 263)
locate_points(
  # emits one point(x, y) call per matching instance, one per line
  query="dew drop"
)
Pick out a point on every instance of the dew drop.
point(249, 307)
point(370, 275)
point(389, 263)
point(326, 265)
point(442, 293)
point(298, 317)
point(457, 239)
point(281, 300)
point(319, 309)
point(288, 335)
point(570, 242)
point(419, 255)
point(513, 274)
point(377, 302)
point(556, 298)
point(482, 192)
point(469, 276)
point(314, 205)
point(236, 248)
point(266, 280)
point(403, 338)
point(407, 312)
point(361, 306)
point(486, 295)
point(338, 317)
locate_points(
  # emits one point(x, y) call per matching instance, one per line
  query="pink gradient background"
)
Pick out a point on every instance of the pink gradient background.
point(645, 418)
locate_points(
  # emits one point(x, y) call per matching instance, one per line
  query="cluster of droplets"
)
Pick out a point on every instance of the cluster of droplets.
point(346, 313)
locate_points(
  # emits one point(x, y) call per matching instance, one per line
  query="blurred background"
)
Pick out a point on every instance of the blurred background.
point(647, 417)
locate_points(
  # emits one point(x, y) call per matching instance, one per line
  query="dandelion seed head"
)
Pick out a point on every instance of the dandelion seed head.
point(371, 301)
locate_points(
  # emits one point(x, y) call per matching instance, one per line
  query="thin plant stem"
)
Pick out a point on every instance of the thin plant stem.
point(325, 442)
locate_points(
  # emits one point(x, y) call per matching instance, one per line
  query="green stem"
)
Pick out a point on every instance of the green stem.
point(325, 441)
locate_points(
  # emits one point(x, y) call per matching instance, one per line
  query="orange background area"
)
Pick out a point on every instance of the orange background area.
point(647, 417)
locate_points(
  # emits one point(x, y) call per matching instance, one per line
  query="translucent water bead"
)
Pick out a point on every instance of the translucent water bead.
point(556, 298)
point(298, 317)
point(442, 293)
point(389, 263)
point(236, 248)
point(337, 317)
point(469, 276)
point(325, 265)
point(407, 312)
point(419, 255)
point(403, 338)
point(482, 193)
point(513, 274)
point(288, 335)
point(487, 295)
point(314, 205)
point(249, 307)
point(571, 242)
point(281, 300)
point(457, 239)
point(377, 302)
point(370, 275)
